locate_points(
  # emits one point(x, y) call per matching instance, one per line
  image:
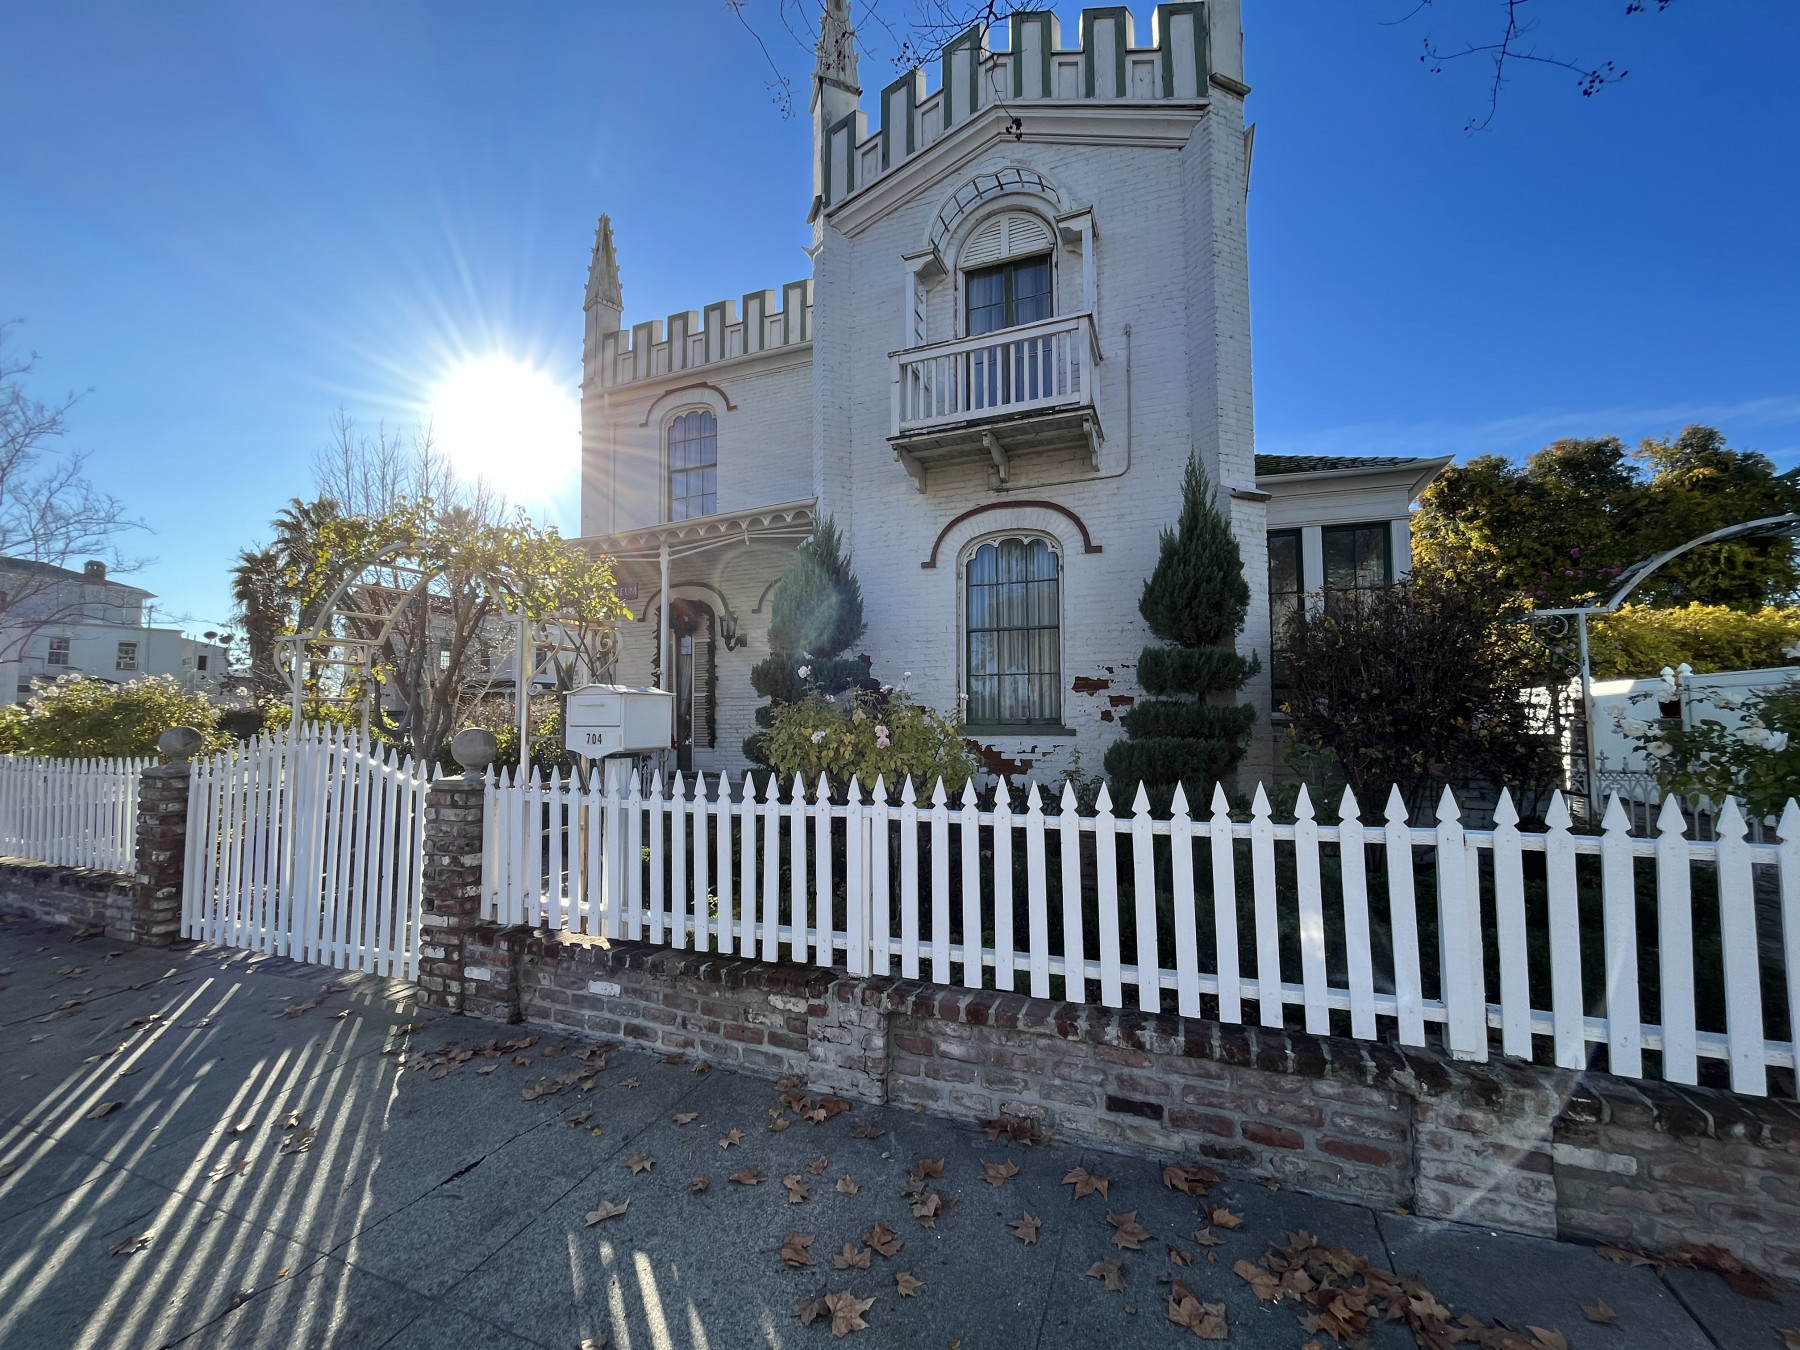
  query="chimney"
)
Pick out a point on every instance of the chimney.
point(93, 570)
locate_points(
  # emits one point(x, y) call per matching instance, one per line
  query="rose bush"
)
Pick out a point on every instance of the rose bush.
point(867, 734)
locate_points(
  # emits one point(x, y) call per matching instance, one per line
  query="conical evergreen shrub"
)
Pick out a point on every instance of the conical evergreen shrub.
point(815, 615)
point(1196, 599)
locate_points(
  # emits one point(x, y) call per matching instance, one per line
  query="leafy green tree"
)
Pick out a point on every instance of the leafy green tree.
point(80, 717)
point(1196, 598)
point(815, 615)
point(1638, 641)
point(1561, 528)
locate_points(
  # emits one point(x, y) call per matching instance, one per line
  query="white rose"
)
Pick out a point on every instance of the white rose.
point(1777, 742)
point(1661, 749)
point(1754, 736)
point(817, 736)
point(1631, 726)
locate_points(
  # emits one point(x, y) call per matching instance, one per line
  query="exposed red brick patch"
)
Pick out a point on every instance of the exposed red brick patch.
point(1272, 1136)
point(1353, 1152)
point(1087, 684)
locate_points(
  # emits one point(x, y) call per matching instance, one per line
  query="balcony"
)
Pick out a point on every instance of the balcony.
point(997, 397)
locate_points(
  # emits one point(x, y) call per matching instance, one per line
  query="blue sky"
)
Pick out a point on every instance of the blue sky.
point(229, 219)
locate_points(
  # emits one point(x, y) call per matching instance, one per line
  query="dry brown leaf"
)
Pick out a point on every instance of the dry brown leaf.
point(606, 1210)
point(1790, 1337)
point(926, 1209)
point(103, 1110)
point(289, 1121)
point(798, 1191)
point(1180, 1257)
point(578, 1119)
point(1265, 1286)
point(927, 1167)
point(699, 1186)
point(1111, 1272)
point(1205, 1320)
point(907, 1283)
point(810, 1310)
point(633, 1083)
point(1224, 1218)
point(523, 1061)
point(786, 1084)
point(732, 1139)
point(1207, 1238)
point(1086, 1183)
point(865, 1130)
point(702, 1067)
point(778, 1123)
point(818, 1165)
point(881, 1238)
point(638, 1162)
point(569, 1078)
point(487, 1068)
point(554, 1051)
point(229, 1169)
point(1127, 1231)
point(846, 1186)
point(597, 1341)
point(746, 1176)
point(1547, 1340)
point(852, 1255)
point(677, 1058)
point(299, 1141)
point(847, 1312)
point(685, 1117)
point(1026, 1229)
point(132, 1244)
point(1599, 1311)
point(1270, 1184)
point(1195, 1181)
point(996, 1174)
point(794, 1249)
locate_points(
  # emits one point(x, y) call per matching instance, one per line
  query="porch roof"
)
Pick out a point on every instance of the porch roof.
point(786, 520)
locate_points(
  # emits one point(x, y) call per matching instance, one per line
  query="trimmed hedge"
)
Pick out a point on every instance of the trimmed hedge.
point(1200, 721)
point(1168, 671)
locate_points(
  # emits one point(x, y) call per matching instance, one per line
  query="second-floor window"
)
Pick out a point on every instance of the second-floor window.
point(127, 657)
point(59, 652)
point(1009, 294)
point(693, 465)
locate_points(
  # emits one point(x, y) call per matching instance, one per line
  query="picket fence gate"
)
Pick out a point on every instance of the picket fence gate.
point(308, 845)
point(71, 812)
point(705, 870)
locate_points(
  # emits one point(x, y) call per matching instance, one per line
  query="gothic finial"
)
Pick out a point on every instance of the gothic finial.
point(603, 270)
point(837, 46)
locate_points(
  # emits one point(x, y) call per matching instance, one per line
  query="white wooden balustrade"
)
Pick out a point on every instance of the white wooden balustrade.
point(71, 812)
point(1323, 918)
point(1035, 366)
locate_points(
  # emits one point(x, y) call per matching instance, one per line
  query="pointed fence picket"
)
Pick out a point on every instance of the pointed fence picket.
point(308, 845)
point(71, 812)
point(1529, 938)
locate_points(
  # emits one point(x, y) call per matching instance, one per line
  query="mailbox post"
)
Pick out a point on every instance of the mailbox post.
point(612, 722)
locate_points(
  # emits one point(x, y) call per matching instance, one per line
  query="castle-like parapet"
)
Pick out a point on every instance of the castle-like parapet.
point(1195, 49)
point(702, 337)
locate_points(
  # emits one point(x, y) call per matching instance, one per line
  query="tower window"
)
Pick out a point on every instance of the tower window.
point(1008, 295)
point(693, 465)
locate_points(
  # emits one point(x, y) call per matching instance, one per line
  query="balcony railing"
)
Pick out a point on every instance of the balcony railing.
point(1035, 367)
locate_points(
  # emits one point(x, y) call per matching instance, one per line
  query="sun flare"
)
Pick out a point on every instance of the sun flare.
point(507, 422)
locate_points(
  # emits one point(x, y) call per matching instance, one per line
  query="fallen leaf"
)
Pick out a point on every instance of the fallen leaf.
point(1205, 1320)
point(702, 1067)
point(927, 1167)
point(554, 1051)
point(523, 1061)
point(846, 1186)
point(699, 1186)
point(1598, 1311)
point(487, 1068)
point(679, 1057)
point(579, 1118)
point(1086, 1183)
point(785, 1084)
point(881, 1238)
point(1026, 1229)
point(132, 1244)
point(105, 1109)
point(1547, 1340)
point(606, 1209)
point(746, 1176)
point(778, 1123)
point(847, 1312)
point(639, 1163)
point(1180, 1257)
point(794, 1249)
point(798, 1191)
point(589, 1084)
point(907, 1283)
point(299, 1008)
point(732, 1139)
point(1264, 1285)
point(926, 1209)
point(597, 1341)
point(685, 1117)
point(865, 1130)
point(1110, 1271)
point(810, 1310)
point(229, 1169)
point(290, 1121)
point(818, 1165)
point(852, 1255)
point(1127, 1231)
point(1270, 1184)
point(1790, 1337)
point(632, 1083)
point(996, 1174)
point(1196, 1181)
point(299, 1141)
point(1224, 1218)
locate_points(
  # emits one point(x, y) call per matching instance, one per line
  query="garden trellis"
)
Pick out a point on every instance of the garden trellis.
point(1548, 936)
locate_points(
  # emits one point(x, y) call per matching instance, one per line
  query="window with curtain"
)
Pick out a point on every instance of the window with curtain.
point(1358, 561)
point(1013, 293)
point(693, 465)
point(1285, 590)
point(1014, 666)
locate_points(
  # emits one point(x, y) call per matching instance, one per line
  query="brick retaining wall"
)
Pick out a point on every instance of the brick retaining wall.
point(85, 897)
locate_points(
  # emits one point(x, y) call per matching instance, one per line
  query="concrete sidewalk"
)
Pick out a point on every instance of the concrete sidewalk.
point(437, 1207)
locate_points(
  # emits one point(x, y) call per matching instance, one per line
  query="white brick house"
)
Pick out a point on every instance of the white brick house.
point(1030, 301)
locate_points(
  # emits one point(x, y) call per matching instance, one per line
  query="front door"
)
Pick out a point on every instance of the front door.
point(691, 630)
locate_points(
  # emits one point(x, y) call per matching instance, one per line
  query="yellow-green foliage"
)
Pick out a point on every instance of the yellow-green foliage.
point(1638, 641)
point(80, 717)
point(841, 736)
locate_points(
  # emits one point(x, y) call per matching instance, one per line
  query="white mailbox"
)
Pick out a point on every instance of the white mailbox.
point(618, 719)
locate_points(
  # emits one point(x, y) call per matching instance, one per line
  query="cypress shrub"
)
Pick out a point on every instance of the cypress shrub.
point(1195, 599)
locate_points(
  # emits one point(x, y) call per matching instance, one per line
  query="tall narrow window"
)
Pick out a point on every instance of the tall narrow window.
point(59, 652)
point(1285, 590)
point(1358, 561)
point(693, 465)
point(1008, 295)
point(1014, 641)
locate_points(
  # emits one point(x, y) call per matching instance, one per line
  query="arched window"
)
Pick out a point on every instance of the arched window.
point(1014, 642)
point(693, 465)
point(1006, 269)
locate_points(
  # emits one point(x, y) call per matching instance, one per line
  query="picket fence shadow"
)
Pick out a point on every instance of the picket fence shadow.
point(71, 812)
point(1553, 934)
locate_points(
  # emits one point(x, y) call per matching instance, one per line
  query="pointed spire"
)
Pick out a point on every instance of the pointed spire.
point(1259, 804)
point(1730, 823)
point(1396, 807)
point(1140, 804)
point(1615, 818)
point(879, 793)
point(1446, 808)
point(1670, 820)
point(1034, 802)
point(1557, 817)
point(938, 796)
point(968, 792)
point(1349, 810)
point(1178, 805)
point(1103, 803)
point(824, 789)
point(907, 796)
point(836, 51)
point(603, 270)
point(799, 786)
point(853, 794)
point(1221, 804)
point(1068, 798)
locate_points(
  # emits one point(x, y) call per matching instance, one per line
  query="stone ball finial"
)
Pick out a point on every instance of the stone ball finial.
point(179, 744)
point(474, 748)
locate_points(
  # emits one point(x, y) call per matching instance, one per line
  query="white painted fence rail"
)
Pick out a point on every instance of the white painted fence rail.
point(1530, 933)
point(309, 846)
point(71, 812)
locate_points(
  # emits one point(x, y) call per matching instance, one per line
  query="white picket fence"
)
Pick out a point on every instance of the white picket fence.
point(1222, 910)
point(310, 846)
point(71, 812)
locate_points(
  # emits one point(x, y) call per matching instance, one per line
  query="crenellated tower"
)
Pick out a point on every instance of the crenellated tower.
point(836, 95)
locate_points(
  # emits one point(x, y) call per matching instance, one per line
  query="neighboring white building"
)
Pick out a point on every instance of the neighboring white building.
point(1029, 304)
point(56, 621)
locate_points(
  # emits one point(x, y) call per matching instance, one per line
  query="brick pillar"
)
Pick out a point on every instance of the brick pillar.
point(151, 915)
point(450, 904)
point(847, 1039)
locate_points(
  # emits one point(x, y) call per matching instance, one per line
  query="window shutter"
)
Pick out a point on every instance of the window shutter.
point(705, 728)
point(1005, 236)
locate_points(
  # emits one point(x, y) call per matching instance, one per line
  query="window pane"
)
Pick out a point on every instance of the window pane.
point(1031, 291)
point(1013, 643)
point(1284, 564)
